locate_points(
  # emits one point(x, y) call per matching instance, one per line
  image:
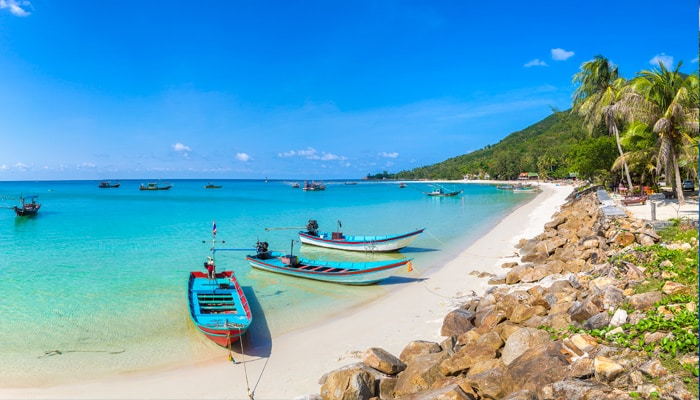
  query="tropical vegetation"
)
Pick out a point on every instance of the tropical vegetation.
point(634, 132)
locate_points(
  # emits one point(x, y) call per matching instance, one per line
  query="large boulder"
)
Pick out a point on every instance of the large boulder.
point(348, 383)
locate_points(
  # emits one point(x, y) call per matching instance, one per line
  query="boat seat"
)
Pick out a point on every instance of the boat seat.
point(228, 307)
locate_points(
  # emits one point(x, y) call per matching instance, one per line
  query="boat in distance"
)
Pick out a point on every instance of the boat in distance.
point(441, 192)
point(108, 185)
point(154, 186)
point(218, 307)
point(342, 272)
point(212, 186)
point(338, 240)
point(28, 206)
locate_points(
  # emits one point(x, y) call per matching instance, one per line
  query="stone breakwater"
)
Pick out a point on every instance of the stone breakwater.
point(500, 346)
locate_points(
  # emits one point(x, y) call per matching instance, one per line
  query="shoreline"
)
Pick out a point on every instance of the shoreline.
point(294, 362)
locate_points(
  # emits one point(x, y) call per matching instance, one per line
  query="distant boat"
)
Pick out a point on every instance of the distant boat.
point(27, 209)
point(506, 186)
point(155, 186)
point(108, 184)
point(351, 183)
point(218, 307)
point(402, 185)
point(348, 273)
point(295, 185)
point(520, 188)
point(212, 186)
point(339, 241)
point(439, 191)
point(313, 186)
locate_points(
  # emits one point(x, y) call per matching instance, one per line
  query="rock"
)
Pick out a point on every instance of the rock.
point(671, 287)
point(644, 301)
point(522, 340)
point(465, 358)
point(653, 369)
point(347, 383)
point(598, 321)
point(582, 311)
point(383, 361)
point(536, 367)
point(457, 322)
point(619, 318)
point(420, 374)
point(607, 369)
point(417, 348)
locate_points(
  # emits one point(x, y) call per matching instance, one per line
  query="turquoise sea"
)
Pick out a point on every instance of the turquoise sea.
point(95, 284)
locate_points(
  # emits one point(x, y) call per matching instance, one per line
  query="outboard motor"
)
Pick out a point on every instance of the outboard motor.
point(262, 249)
point(312, 227)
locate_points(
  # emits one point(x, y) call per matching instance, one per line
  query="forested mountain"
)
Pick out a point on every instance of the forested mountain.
point(554, 147)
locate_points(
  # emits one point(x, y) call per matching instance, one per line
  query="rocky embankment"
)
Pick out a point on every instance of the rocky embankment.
point(541, 331)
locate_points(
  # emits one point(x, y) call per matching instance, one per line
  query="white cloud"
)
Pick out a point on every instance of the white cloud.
point(309, 152)
point(179, 147)
point(536, 63)
point(561, 54)
point(15, 7)
point(243, 157)
point(662, 58)
point(388, 155)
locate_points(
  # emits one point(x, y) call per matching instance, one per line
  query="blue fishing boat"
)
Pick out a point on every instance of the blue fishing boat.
point(338, 240)
point(218, 307)
point(348, 273)
point(440, 191)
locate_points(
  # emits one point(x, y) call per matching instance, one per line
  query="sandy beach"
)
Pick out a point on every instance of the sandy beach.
point(289, 366)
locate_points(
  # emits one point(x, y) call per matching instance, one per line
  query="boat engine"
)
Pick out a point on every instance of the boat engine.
point(312, 227)
point(262, 249)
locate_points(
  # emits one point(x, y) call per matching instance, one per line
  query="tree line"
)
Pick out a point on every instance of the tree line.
point(634, 132)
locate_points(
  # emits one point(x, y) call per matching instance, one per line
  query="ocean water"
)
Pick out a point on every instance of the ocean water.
point(96, 284)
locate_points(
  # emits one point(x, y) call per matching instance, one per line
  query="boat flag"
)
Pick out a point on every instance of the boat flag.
point(213, 228)
point(410, 266)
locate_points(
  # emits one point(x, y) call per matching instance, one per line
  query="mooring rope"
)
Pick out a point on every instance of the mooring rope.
point(49, 353)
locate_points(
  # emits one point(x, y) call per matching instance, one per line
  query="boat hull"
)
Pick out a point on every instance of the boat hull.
point(26, 211)
point(218, 308)
point(386, 243)
point(347, 273)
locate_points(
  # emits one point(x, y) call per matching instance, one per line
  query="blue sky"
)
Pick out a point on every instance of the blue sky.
point(299, 89)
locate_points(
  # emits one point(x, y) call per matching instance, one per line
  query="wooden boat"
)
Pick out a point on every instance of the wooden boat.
point(638, 199)
point(348, 273)
point(218, 307)
point(313, 186)
point(155, 186)
point(337, 240)
point(28, 206)
point(524, 188)
point(506, 186)
point(108, 185)
point(442, 192)
point(212, 186)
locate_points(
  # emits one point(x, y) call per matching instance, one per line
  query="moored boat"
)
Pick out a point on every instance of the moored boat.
point(217, 304)
point(155, 186)
point(343, 272)
point(28, 206)
point(108, 185)
point(313, 186)
point(440, 191)
point(212, 186)
point(338, 240)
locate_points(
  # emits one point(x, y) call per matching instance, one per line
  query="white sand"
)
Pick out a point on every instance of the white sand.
point(296, 361)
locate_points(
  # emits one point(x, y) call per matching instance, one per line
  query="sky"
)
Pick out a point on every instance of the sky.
point(240, 89)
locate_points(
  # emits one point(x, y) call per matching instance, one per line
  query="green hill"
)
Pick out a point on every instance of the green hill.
point(554, 147)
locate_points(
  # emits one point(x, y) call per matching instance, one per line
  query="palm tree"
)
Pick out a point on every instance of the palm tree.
point(668, 101)
point(595, 99)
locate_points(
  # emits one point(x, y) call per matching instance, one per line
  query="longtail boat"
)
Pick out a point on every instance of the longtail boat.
point(28, 206)
point(338, 240)
point(218, 307)
point(343, 272)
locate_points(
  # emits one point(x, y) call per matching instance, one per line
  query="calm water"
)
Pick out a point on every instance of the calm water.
point(96, 283)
